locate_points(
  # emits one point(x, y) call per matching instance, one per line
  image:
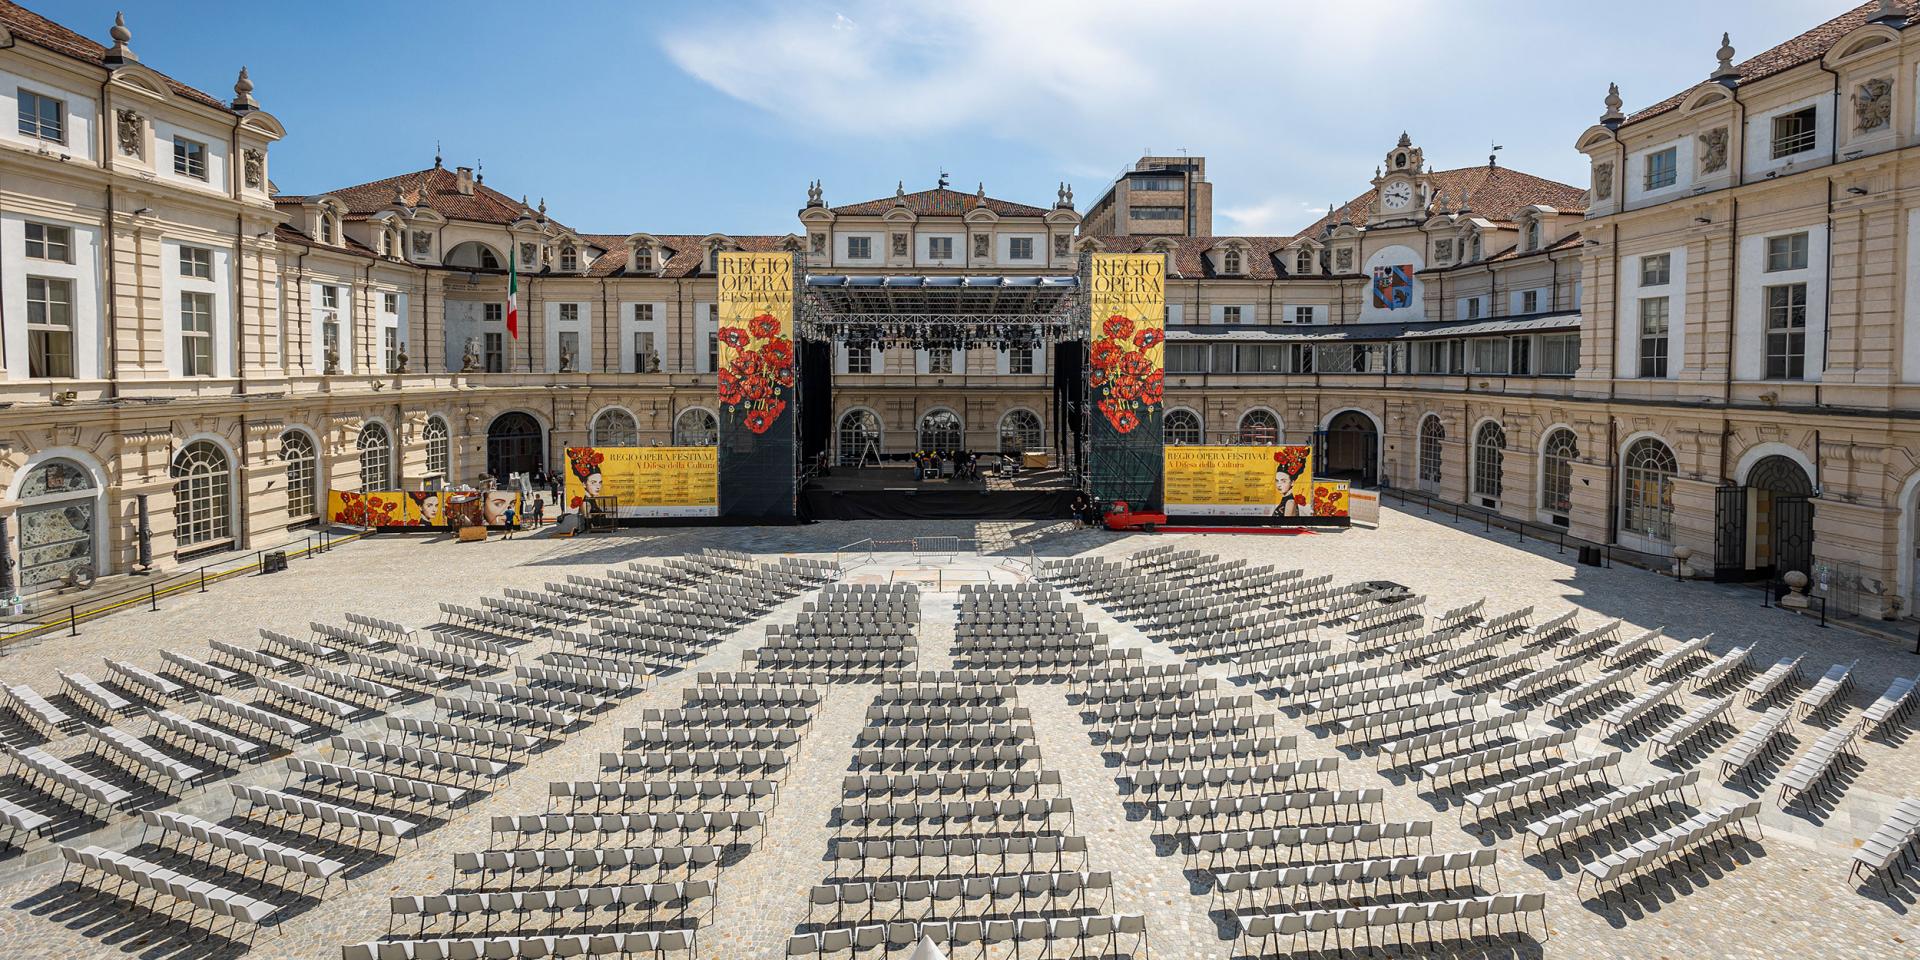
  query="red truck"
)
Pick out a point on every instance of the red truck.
point(1120, 516)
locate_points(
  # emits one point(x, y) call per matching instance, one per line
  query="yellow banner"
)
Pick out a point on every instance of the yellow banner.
point(756, 375)
point(646, 481)
point(438, 509)
point(1127, 368)
point(1239, 481)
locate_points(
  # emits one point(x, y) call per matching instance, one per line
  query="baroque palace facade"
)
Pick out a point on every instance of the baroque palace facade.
point(1713, 345)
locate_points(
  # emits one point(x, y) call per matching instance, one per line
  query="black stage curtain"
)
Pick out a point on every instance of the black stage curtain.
point(1069, 399)
point(816, 398)
point(819, 504)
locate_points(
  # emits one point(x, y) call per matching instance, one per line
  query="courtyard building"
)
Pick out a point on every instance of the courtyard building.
point(1714, 345)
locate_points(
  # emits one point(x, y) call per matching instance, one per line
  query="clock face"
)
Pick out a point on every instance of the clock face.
point(1397, 194)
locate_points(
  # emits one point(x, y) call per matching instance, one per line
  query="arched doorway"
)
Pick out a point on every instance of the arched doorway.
point(860, 437)
point(514, 445)
point(1780, 505)
point(941, 432)
point(60, 506)
point(1353, 449)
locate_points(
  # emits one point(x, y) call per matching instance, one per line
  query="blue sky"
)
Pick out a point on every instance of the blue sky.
point(700, 117)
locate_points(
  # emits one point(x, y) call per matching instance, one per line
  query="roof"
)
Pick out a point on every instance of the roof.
point(1265, 255)
point(26, 25)
point(436, 188)
point(1803, 49)
point(287, 234)
point(1492, 192)
point(940, 203)
point(1346, 332)
point(685, 252)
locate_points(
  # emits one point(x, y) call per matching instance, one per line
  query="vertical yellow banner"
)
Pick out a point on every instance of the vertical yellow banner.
point(756, 375)
point(1127, 369)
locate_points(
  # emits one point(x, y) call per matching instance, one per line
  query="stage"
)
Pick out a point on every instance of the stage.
point(891, 493)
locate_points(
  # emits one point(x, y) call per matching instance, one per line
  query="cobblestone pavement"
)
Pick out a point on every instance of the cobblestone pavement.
point(1785, 895)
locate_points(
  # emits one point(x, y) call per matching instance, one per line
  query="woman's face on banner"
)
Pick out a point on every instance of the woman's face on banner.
point(498, 502)
point(1282, 481)
point(430, 509)
point(594, 482)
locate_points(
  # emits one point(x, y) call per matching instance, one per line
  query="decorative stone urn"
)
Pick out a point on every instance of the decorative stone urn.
point(1796, 583)
point(1681, 569)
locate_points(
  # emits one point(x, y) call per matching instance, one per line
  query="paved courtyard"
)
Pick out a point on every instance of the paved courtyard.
point(1786, 894)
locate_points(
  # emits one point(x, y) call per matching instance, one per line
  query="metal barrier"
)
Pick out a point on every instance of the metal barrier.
point(195, 581)
point(1541, 533)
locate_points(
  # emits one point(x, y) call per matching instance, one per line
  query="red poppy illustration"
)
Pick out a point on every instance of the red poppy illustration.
point(758, 421)
point(1117, 326)
point(763, 327)
point(758, 368)
point(729, 388)
point(1125, 387)
point(1146, 338)
point(1127, 379)
point(1151, 391)
point(1291, 460)
point(734, 337)
point(756, 387)
point(777, 353)
point(1106, 353)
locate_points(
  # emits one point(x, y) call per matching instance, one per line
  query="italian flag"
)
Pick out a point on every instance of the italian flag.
point(513, 299)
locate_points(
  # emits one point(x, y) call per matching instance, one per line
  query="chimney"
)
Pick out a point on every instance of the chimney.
point(464, 181)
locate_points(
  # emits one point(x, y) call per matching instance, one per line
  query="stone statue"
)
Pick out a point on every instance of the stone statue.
point(1713, 150)
point(470, 356)
point(401, 361)
point(333, 361)
point(131, 142)
point(255, 163)
point(815, 194)
point(566, 361)
point(1873, 105)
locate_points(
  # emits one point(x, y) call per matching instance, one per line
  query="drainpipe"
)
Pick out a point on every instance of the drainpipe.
point(111, 317)
point(607, 325)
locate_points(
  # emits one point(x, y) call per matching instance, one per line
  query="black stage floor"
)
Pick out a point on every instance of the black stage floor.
point(891, 493)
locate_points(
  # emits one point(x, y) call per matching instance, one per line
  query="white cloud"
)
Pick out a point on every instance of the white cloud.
point(1271, 217)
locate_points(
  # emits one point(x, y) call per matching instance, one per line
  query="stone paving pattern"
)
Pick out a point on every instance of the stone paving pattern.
point(1784, 896)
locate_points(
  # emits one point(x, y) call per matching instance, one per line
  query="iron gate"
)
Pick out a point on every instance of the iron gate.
point(1792, 537)
point(1730, 534)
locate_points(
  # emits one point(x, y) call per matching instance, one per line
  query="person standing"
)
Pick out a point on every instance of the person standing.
point(509, 518)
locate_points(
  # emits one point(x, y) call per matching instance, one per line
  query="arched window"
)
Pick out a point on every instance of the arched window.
point(1556, 470)
point(439, 447)
point(1489, 456)
point(1303, 262)
point(569, 258)
point(58, 514)
point(376, 457)
point(1020, 430)
point(1183, 428)
point(1259, 426)
point(614, 427)
point(1533, 235)
point(695, 427)
point(941, 432)
point(859, 437)
point(303, 473)
point(1647, 473)
point(1230, 260)
point(202, 493)
point(326, 228)
point(1432, 434)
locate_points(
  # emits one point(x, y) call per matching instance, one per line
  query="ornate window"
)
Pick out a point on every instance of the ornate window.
point(1432, 435)
point(1556, 470)
point(1647, 472)
point(303, 473)
point(439, 447)
point(569, 259)
point(1489, 456)
point(1183, 428)
point(1020, 430)
point(859, 436)
point(614, 427)
point(59, 510)
point(376, 457)
point(941, 432)
point(1230, 261)
point(202, 494)
point(1259, 426)
point(695, 427)
point(1303, 262)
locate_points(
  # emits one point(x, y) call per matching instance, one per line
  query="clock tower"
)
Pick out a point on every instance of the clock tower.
point(1401, 190)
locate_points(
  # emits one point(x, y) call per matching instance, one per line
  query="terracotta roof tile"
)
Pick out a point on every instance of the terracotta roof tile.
point(26, 25)
point(687, 253)
point(1494, 193)
point(1805, 48)
point(1265, 256)
point(354, 248)
point(939, 203)
point(435, 188)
